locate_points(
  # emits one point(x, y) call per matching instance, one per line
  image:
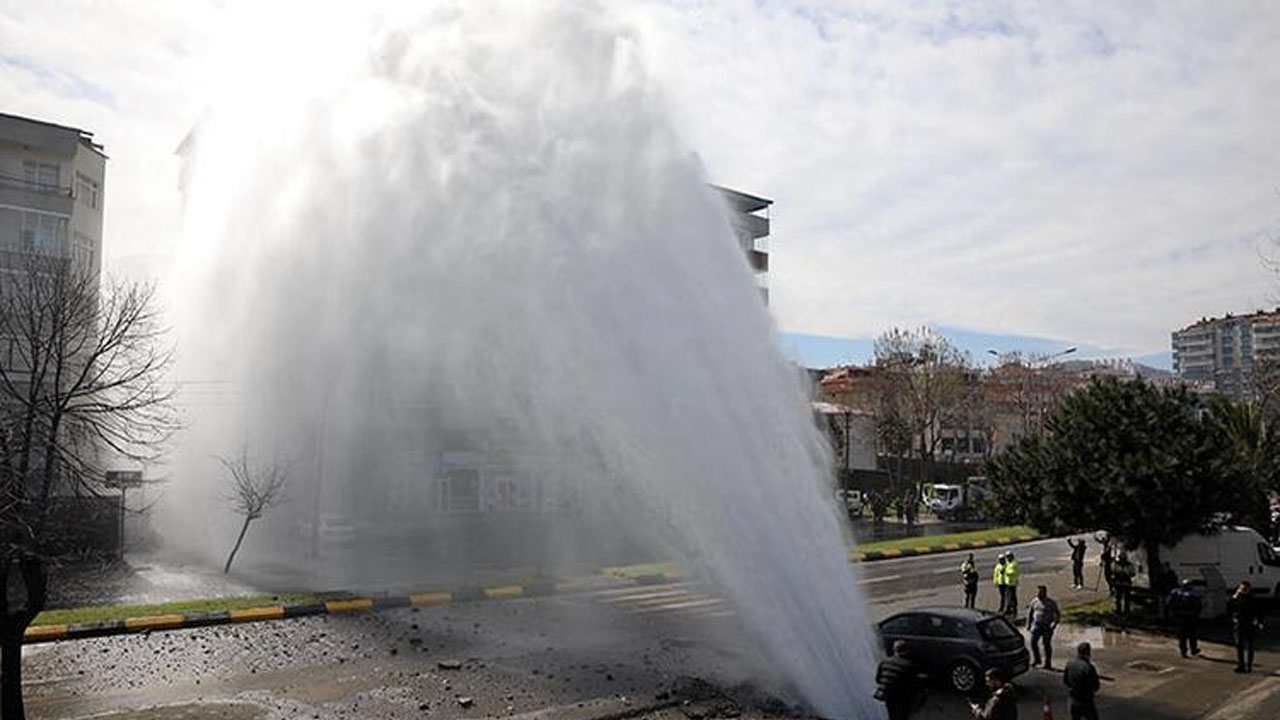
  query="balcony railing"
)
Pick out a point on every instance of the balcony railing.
point(24, 184)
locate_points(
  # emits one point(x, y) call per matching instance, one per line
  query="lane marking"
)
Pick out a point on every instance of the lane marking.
point(884, 578)
point(704, 602)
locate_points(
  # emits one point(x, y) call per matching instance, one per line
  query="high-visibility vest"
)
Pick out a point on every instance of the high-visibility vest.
point(1011, 573)
point(997, 575)
point(967, 570)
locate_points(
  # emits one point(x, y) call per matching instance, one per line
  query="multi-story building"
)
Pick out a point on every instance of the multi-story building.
point(51, 191)
point(749, 216)
point(51, 195)
point(1226, 353)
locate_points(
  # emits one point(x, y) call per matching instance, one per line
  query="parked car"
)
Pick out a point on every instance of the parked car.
point(851, 500)
point(956, 646)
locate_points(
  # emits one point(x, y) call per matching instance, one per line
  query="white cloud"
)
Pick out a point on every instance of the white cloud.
point(1102, 172)
point(1099, 172)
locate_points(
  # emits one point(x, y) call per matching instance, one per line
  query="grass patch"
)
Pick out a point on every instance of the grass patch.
point(1095, 614)
point(631, 572)
point(928, 541)
point(100, 613)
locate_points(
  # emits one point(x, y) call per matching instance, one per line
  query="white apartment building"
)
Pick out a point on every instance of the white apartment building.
point(51, 192)
point(1224, 351)
point(51, 196)
point(749, 216)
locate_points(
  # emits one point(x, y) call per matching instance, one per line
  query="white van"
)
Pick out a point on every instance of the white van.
point(1236, 553)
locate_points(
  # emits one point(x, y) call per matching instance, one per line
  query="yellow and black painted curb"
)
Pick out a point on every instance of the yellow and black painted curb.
point(534, 588)
point(176, 621)
point(873, 555)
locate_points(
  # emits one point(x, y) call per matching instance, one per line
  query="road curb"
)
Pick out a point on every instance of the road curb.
point(178, 621)
point(539, 587)
point(874, 555)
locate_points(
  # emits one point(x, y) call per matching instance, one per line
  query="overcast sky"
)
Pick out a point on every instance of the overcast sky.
point(1092, 173)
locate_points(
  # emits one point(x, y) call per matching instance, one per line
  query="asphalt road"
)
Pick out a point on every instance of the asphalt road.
point(573, 657)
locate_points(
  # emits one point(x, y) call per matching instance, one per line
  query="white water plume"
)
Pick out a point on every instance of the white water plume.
point(470, 236)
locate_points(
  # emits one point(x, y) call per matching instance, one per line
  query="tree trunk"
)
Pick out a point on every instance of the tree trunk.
point(11, 670)
point(13, 624)
point(1155, 571)
point(243, 529)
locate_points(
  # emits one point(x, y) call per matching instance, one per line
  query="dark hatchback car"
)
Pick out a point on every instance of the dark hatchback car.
point(956, 646)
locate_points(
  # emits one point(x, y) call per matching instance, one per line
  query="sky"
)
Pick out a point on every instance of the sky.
point(1027, 176)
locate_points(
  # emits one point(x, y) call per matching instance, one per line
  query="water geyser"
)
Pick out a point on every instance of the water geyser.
point(457, 259)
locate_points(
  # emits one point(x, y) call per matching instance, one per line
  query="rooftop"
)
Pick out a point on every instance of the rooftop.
point(46, 135)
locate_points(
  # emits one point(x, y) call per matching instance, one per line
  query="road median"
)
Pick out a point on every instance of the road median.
point(104, 621)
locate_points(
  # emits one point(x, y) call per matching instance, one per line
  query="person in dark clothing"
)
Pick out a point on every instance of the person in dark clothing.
point(1122, 583)
point(1106, 560)
point(1081, 679)
point(898, 683)
point(1245, 620)
point(1002, 704)
point(1184, 605)
point(1077, 563)
point(969, 577)
point(1163, 583)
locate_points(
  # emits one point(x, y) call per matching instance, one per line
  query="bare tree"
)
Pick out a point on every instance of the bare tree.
point(255, 489)
point(82, 386)
point(923, 388)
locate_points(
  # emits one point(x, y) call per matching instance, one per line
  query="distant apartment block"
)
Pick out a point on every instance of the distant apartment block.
point(1223, 353)
point(749, 216)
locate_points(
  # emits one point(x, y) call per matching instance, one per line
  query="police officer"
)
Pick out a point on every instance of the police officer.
point(969, 576)
point(1183, 605)
point(898, 683)
point(997, 579)
point(1081, 679)
point(1011, 576)
point(1122, 582)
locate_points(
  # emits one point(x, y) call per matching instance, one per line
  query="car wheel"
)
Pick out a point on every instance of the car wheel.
point(963, 676)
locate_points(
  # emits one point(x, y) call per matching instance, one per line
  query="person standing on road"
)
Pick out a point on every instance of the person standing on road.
point(1042, 620)
point(1081, 679)
point(1245, 620)
point(1077, 562)
point(897, 683)
point(1011, 576)
point(1184, 605)
point(1002, 704)
point(997, 579)
point(1106, 559)
point(1122, 583)
point(969, 576)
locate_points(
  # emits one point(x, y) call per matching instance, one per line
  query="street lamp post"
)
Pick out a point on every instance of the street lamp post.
point(1029, 366)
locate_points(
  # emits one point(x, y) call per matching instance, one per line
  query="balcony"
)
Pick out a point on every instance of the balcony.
point(35, 196)
point(751, 226)
point(759, 261)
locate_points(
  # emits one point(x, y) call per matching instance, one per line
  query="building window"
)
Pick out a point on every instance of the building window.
point(87, 190)
point(43, 234)
point(43, 175)
point(82, 250)
point(460, 491)
point(8, 351)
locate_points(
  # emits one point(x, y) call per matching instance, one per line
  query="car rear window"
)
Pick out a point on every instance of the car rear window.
point(997, 629)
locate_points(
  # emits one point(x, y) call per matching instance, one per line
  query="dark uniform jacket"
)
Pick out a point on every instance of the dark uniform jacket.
point(896, 677)
point(1081, 679)
point(1184, 604)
